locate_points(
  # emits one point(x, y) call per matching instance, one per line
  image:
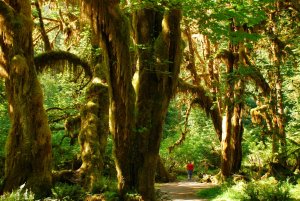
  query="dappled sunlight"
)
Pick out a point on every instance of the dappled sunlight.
point(184, 190)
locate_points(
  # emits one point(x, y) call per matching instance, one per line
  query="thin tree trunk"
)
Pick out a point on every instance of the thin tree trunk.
point(42, 27)
point(237, 128)
point(277, 55)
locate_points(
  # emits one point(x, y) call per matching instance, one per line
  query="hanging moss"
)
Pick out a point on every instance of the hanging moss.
point(61, 60)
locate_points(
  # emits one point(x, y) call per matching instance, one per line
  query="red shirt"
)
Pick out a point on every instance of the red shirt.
point(190, 166)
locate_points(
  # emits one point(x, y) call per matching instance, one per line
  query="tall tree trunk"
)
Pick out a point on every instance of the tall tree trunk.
point(238, 128)
point(136, 150)
point(158, 69)
point(113, 29)
point(226, 147)
point(280, 113)
point(28, 147)
point(277, 55)
point(93, 135)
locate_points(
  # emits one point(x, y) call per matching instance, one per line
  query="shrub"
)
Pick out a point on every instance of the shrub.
point(104, 184)
point(67, 192)
point(20, 194)
point(210, 193)
point(295, 191)
point(262, 190)
point(267, 189)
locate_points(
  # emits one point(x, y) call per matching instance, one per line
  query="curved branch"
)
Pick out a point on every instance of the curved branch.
point(183, 134)
point(205, 102)
point(54, 108)
point(255, 75)
point(52, 58)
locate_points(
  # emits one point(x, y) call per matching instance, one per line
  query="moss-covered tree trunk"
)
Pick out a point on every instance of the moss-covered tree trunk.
point(113, 29)
point(162, 174)
point(158, 37)
point(136, 121)
point(238, 129)
point(226, 143)
point(93, 134)
point(277, 47)
point(28, 148)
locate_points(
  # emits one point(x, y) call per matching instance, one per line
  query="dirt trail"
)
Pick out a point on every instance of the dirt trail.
point(180, 191)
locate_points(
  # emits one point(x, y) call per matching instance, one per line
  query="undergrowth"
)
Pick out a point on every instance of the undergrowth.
point(267, 189)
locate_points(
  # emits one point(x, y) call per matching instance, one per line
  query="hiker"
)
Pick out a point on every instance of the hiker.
point(190, 169)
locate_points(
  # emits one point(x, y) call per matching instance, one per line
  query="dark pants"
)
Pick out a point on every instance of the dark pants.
point(190, 173)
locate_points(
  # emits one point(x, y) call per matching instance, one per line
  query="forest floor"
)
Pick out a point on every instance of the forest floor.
point(184, 190)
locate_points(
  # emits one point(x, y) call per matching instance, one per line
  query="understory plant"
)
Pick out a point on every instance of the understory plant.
point(267, 189)
point(20, 194)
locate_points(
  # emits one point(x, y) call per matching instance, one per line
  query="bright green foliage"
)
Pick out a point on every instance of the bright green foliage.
point(67, 192)
point(295, 191)
point(4, 122)
point(105, 185)
point(60, 91)
point(63, 99)
point(210, 193)
point(262, 190)
point(20, 194)
point(201, 144)
point(214, 18)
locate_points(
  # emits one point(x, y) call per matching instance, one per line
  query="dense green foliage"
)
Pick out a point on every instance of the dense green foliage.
point(265, 189)
point(201, 144)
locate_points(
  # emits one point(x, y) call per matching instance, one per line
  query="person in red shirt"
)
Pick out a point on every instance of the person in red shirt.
point(190, 169)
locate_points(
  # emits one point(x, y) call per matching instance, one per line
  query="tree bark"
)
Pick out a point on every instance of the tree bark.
point(93, 135)
point(45, 37)
point(112, 27)
point(226, 147)
point(238, 128)
point(162, 174)
point(136, 145)
point(158, 69)
point(28, 147)
point(277, 47)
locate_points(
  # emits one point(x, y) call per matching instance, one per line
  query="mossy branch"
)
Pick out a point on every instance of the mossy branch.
point(183, 134)
point(205, 102)
point(58, 59)
point(259, 80)
point(6, 13)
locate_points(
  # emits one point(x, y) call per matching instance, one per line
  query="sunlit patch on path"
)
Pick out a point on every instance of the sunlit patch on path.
point(180, 191)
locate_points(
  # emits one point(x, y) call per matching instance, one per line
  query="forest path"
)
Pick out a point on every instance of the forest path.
point(184, 190)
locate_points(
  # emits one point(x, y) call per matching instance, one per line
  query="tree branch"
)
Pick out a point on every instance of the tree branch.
point(42, 27)
point(205, 102)
point(67, 59)
point(6, 14)
point(183, 134)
